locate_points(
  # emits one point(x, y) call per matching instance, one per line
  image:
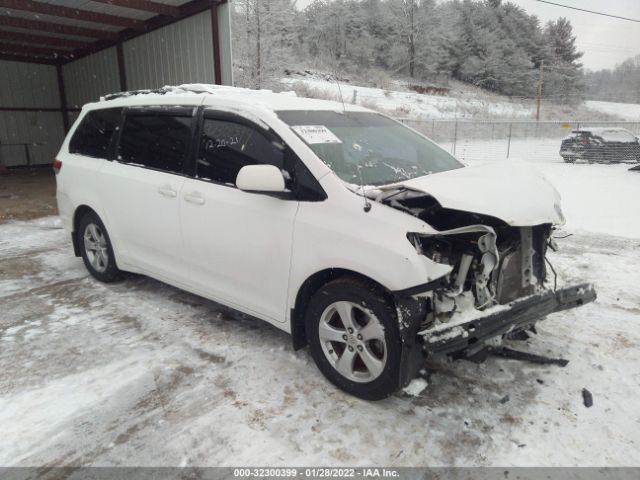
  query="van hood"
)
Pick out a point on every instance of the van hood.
point(512, 191)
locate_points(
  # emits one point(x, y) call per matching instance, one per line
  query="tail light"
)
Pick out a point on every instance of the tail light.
point(57, 166)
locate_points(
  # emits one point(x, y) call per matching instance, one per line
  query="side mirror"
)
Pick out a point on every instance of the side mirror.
point(260, 178)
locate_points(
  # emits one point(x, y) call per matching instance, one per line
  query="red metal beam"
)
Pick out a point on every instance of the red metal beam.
point(19, 37)
point(26, 59)
point(67, 12)
point(215, 33)
point(145, 5)
point(185, 10)
point(29, 50)
point(122, 69)
point(57, 28)
point(63, 98)
point(32, 109)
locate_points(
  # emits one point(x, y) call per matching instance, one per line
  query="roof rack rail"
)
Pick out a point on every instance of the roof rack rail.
point(196, 88)
point(129, 93)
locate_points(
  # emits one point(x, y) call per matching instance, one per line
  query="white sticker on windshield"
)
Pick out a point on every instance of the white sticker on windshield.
point(315, 134)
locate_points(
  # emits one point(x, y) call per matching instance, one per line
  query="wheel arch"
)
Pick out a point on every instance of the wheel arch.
point(80, 211)
point(310, 286)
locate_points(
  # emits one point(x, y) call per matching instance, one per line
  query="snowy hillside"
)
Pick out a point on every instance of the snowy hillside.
point(410, 104)
point(628, 111)
point(467, 103)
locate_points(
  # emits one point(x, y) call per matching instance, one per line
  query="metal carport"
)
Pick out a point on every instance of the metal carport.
point(56, 56)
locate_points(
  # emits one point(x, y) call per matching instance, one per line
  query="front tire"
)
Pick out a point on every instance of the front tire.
point(352, 331)
point(96, 249)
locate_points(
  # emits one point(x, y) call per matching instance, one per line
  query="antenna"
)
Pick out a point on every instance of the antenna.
point(367, 203)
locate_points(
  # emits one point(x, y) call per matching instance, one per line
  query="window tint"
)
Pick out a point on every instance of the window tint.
point(155, 141)
point(226, 147)
point(93, 135)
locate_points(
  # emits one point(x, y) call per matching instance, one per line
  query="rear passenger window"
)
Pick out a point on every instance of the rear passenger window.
point(160, 142)
point(93, 135)
point(226, 147)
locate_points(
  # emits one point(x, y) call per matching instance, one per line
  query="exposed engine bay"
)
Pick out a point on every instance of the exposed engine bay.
point(497, 285)
point(489, 268)
point(493, 263)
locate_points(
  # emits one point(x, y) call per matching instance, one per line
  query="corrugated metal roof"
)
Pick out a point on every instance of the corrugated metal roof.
point(113, 9)
point(58, 20)
point(25, 47)
point(4, 28)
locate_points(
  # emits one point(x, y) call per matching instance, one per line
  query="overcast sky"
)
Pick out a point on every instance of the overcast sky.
point(604, 41)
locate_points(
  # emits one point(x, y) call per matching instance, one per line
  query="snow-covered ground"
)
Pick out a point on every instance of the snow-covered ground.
point(414, 105)
point(399, 101)
point(598, 198)
point(139, 373)
point(528, 149)
point(628, 111)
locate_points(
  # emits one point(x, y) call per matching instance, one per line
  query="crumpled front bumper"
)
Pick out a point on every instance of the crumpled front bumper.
point(513, 317)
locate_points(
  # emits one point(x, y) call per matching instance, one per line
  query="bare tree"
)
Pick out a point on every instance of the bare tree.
point(268, 27)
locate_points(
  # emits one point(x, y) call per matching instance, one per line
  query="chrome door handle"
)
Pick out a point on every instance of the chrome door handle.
point(167, 191)
point(196, 198)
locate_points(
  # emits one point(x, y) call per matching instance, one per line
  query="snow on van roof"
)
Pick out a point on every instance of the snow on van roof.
point(219, 95)
point(609, 134)
point(597, 130)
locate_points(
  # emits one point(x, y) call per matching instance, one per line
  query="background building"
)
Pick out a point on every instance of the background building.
point(55, 57)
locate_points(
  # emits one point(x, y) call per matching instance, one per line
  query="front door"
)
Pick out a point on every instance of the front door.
point(238, 243)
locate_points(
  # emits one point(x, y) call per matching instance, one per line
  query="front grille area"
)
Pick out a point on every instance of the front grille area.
point(521, 270)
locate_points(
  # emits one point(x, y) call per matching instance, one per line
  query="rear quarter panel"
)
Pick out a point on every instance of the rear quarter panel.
point(76, 183)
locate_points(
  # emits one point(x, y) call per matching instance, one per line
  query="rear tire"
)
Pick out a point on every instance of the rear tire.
point(95, 247)
point(569, 159)
point(352, 331)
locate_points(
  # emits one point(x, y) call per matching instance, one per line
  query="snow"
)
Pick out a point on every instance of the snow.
point(596, 198)
point(457, 319)
point(398, 103)
point(461, 105)
point(139, 373)
point(628, 111)
point(416, 387)
point(414, 105)
point(609, 134)
point(246, 102)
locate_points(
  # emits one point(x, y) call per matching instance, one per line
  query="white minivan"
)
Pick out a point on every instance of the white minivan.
point(356, 234)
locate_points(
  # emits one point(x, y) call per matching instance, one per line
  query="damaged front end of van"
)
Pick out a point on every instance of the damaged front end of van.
point(500, 282)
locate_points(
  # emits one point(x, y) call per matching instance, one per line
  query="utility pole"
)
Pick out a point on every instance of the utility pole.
point(412, 39)
point(258, 47)
point(540, 89)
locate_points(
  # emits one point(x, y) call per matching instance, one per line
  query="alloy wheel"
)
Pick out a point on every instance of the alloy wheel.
point(95, 245)
point(353, 341)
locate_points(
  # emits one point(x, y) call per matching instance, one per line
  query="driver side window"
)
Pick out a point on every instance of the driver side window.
point(226, 147)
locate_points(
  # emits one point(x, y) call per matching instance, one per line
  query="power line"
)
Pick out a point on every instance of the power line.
point(590, 11)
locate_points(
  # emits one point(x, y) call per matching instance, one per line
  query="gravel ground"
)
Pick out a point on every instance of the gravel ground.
point(26, 194)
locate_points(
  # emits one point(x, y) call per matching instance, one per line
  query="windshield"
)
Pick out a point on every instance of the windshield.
point(367, 148)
